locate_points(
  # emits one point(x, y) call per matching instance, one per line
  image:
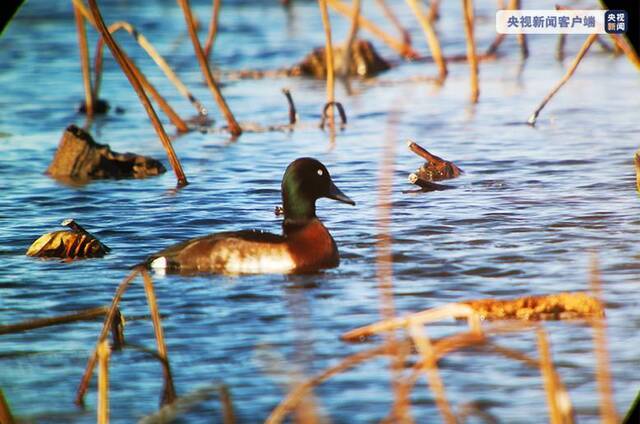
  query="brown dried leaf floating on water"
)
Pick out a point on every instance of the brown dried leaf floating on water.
point(74, 244)
point(79, 157)
point(535, 308)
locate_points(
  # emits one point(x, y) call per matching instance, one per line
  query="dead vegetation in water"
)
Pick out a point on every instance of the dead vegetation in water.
point(75, 243)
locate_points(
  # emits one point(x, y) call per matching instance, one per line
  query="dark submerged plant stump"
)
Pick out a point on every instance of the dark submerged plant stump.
point(364, 62)
point(79, 157)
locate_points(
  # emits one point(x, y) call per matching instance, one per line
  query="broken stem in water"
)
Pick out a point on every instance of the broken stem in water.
point(234, 127)
point(169, 392)
point(583, 50)
point(86, 315)
point(213, 29)
point(137, 86)
point(108, 323)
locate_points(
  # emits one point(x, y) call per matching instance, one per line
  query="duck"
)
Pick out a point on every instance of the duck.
point(305, 244)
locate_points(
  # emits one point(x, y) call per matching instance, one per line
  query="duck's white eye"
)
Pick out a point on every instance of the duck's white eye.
point(320, 172)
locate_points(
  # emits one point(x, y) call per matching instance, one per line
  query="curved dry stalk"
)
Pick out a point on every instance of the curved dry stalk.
point(431, 36)
point(213, 29)
point(154, 55)
point(137, 86)
point(467, 6)
point(84, 62)
point(583, 50)
point(103, 382)
point(234, 128)
point(298, 393)
point(107, 325)
point(169, 392)
point(548, 377)
point(453, 310)
point(147, 47)
point(402, 48)
point(85, 315)
point(351, 38)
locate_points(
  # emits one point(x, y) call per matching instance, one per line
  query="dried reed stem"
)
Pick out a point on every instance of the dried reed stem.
point(388, 12)
point(103, 382)
point(432, 38)
point(328, 51)
point(301, 389)
point(234, 128)
point(583, 50)
point(608, 413)
point(228, 416)
point(453, 310)
point(636, 163)
point(154, 55)
point(467, 6)
point(293, 115)
point(522, 38)
point(430, 368)
point(401, 47)
point(147, 47)
point(108, 322)
point(548, 377)
point(213, 29)
point(434, 10)
point(85, 315)
point(562, 40)
point(84, 62)
point(351, 38)
point(621, 44)
point(137, 86)
point(5, 412)
point(169, 393)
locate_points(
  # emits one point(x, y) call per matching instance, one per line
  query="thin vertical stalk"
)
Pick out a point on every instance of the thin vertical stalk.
point(432, 38)
point(548, 377)
point(108, 321)
point(608, 413)
point(467, 6)
point(583, 50)
point(103, 382)
point(228, 416)
point(522, 38)
point(430, 368)
point(213, 29)
point(329, 61)
point(137, 86)
point(234, 128)
point(562, 38)
point(169, 393)
point(351, 38)
point(84, 62)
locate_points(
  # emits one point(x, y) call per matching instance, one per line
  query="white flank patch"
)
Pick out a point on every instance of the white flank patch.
point(159, 263)
point(274, 262)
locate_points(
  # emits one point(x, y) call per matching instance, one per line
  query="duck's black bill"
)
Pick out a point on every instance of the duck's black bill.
point(336, 194)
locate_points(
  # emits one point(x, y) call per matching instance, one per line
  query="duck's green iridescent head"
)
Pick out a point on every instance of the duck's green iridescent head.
point(305, 181)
